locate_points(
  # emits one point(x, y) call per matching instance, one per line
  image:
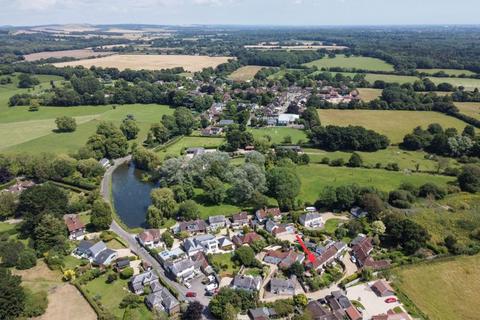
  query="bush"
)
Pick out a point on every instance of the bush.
point(337, 162)
point(432, 189)
point(26, 259)
point(35, 303)
point(126, 273)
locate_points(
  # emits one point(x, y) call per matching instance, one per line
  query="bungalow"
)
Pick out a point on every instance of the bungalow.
point(205, 243)
point(162, 300)
point(319, 312)
point(138, 282)
point(311, 220)
point(217, 222)
point(182, 270)
point(382, 288)
point(211, 131)
point(263, 313)
point(240, 219)
point(249, 238)
point(279, 230)
point(284, 259)
point(283, 286)
point(271, 213)
point(247, 282)
point(285, 119)
point(150, 238)
point(76, 228)
point(97, 253)
point(193, 226)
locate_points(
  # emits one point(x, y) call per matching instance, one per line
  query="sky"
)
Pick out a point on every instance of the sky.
point(240, 12)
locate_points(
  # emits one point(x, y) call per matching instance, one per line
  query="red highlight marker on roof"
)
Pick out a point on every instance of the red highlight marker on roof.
point(309, 255)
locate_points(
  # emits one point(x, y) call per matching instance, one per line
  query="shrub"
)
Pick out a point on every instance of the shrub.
point(432, 189)
point(35, 303)
point(26, 259)
point(126, 273)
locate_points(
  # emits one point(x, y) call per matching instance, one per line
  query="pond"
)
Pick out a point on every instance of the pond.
point(131, 196)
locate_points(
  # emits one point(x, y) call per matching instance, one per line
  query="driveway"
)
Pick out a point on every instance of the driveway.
point(350, 267)
point(374, 305)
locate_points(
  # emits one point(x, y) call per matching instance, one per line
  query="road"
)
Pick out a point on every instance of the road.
point(130, 238)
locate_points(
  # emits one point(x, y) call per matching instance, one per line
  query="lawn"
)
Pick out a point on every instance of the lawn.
point(315, 177)
point(450, 72)
point(332, 224)
point(245, 73)
point(277, 134)
point(37, 136)
point(224, 263)
point(178, 147)
point(443, 290)
point(404, 158)
point(365, 63)
point(394, 124)
point(368, 94)
point(471, 109)
point(467, 83)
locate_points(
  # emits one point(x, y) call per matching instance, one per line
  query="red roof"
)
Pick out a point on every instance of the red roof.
point(73, 223)
point(150, 235)
point(353, 313)
point(249, 238)
point(325, 257)
point(264, 213)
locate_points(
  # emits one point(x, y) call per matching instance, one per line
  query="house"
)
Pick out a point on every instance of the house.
point(262, 313)
point(285, 119)
point(105, 163)
point(181, 270)
point(121, 264)
point(192, 152)
point(338, 302)
point(332, 252)
point(353, 314)
point(161, 299)
point(205, 243)
point(217, 222)
point(200, 262)
point(138, 282)
point(172, 255)
point(97, 253)
point(76, 228)
point(193, 226)
point(362, 250)
point(382, 288)
point(271, 213)
point(311, 220)
point(284, 259)
point(150, 238)
point(358, 212)
point(319, 312)
point(240, 219)
point(283, 286)
point(211, 131)
point(20, 186)
point(249, 238)
point(246, 282)
point(225, 244)
point(225, 122)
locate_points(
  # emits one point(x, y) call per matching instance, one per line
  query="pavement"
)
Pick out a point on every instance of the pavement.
point(373, 304)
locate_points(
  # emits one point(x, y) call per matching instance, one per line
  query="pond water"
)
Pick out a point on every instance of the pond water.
point(131, 196)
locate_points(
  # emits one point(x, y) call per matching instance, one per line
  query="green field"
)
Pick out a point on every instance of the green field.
point(405, 159)
point(368, 94)
point(342, 61)
point(36, 136)
point(471, 109)
point(394, 124)
point(467, 83)
point(443, 290)
point(372, 77)
point(315, 177)
point(178, 147)
point(450, 72)
point(277, 134)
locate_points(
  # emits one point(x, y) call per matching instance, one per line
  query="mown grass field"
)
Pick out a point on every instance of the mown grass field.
point(315, 177)
point(471, 109)
point(404, 158)
point(365, 63)
point(443, 290)
point(245, 73)
point(468, 83)
point(450, 72)
point(394, 124)
point(368, 94)
point(278, 134)
point(178, 147)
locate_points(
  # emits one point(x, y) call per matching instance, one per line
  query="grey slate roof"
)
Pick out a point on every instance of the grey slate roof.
point(247, 282)
point(97, 248)
point(277, 284)
point(102, 257)
point(180, 266)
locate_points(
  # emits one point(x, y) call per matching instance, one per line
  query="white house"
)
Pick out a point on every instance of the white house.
point(217, 222)
point(311, 220)
point(97, 253)
point(206, 243)
point(182, 270)
point(287, 118)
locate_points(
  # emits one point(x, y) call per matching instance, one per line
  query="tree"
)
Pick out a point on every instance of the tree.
point(145, 159)
point(154, 217)
point(27, 81)
point(469, 178)
point(108, 142)
point(245, 256)
point(12, 295)
point(372, 203)
point(283, 185)
point(167, 238)
point(366, 274)
point(432, 190)
point(300, 300)
point(126, 273)
point(8, 204)
point(378, 227)
point(194, 311)
point(129, 129)
point(50, 234)
point(355, 160)
point(66, 124)
point(5, 175)
point(296, 269)
point(214, 190)
point(164, 200)
point(101, 216)
point(230, 313)
point(188, 210)
point(184, 120)
point(130, 301)
point(27, 259)
point(160, 132)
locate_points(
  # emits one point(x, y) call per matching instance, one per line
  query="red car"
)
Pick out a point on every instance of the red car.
point(191, 294)
point(391, 300)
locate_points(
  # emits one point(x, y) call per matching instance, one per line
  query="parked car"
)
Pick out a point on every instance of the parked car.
point(391, 300)
point(211, 287)
point(191, 294)
point(211, 278)
point(188, 285)
point(353, 259)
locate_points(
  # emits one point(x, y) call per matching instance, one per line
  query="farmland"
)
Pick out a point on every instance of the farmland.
point(315, 177)
point(367, 94)
point(77, 54)
point(450, 72)
point(471, 109)
point(245, 73)
point(394, 124)
point(443, 290)
point(467, 83)
point(150, 62)
point(277, 134)
point(342, 61)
